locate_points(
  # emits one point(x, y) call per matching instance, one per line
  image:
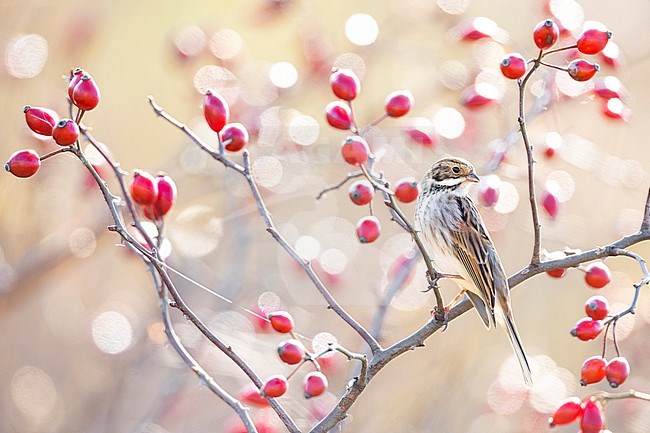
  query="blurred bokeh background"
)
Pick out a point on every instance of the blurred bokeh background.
point(81, 344)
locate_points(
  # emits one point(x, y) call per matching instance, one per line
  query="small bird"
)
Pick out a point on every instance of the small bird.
point(459, 244)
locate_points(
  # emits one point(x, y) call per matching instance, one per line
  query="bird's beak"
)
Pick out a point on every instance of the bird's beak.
point(472, 177)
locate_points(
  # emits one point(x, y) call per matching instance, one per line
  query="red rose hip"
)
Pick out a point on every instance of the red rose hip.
point(315, 384)
point(75, 77)
point(582, 70)
point(406, 190)
point(557, 273)
point(235, 135)
point(567, 413)
point(593, 370)
point(281, 321)
point(587, 329)
point(338, 115)
point(251, 395)
point(275, 386)
point(23, 163)
point(545, 34)
point(398, 103)
point(40, 120)
point(551, 204)
point(593, 41)
point(597, 307)
point(592, 419)
point(513, 66)
point(368, 229)
point(66, 132)
point(291, 351)
point(215, 111)
point(355, 150)
point(597, 275)
point(617, 371)
point(361, 192)
point(489, 190)
point(144, 189)
point(166, 197)
point(85, 94)
point(345, 83)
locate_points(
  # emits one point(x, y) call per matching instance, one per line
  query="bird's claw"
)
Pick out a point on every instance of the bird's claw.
point(440, 316)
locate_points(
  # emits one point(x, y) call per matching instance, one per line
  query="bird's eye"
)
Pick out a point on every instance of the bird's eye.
point(456, 170)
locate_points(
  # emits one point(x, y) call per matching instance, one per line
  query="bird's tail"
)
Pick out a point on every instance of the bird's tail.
point(510, 328)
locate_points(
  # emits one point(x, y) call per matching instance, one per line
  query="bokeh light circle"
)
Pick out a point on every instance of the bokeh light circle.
point(33, 392)
point(508, 198)
point(267, 171)
point(304, 130)
point(112, 332)
point(25, 55)
point(268, 302)
point(351, 61)
point(361, 29)
point(449, 122)
point(453, 7)
point(283, 75)
point(321, 342)
point(307, 247)
point(225, 44)
point(190, 41)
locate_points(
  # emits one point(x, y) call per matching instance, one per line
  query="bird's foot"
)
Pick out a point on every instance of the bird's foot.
point(440, 316)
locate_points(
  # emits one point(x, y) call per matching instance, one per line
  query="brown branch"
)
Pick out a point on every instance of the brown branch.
point(530, 161)
point(557, 50)
point(152, 258)
point(605, 396)
point(270, 226)
point(339, 184)
point(637, 287)
point(193, 364)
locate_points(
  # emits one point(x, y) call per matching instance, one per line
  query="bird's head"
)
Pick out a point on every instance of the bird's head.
point(453, 172)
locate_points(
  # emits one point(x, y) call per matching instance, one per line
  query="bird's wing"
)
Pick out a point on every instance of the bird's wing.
point(474, 248)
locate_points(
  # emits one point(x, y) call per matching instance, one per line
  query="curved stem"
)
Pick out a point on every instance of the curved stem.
point(531, 161)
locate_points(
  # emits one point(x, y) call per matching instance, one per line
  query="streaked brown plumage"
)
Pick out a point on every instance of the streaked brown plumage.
point(459, 244)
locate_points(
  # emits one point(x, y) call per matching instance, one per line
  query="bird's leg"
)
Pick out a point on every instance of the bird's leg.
point(432, 280)
point(456, 299)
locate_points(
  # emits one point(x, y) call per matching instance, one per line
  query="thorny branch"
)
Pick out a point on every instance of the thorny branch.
point(531, 160)
point(270, 226)
point(380, 357)
point(153, 260)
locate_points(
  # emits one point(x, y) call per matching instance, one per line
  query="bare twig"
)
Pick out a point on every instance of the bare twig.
point(192, 363)
point(557, 50)
point(339, 184)
point(270, 226)
point(531, 161)
point(152, 258)
point(394, 286)
point(605, 396)
point(637, 287)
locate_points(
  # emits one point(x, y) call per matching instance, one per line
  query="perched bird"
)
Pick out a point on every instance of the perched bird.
point(459, 244)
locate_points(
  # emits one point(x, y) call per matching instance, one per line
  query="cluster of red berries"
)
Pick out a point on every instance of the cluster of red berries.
point(546, 33)
point(232, 136)
point(291, 352)
point(355, 150)
point(597, 274)
point(596, 368)
point(589, 411)
point(84, 94)
point(155, 196)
